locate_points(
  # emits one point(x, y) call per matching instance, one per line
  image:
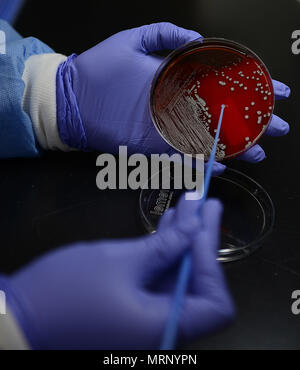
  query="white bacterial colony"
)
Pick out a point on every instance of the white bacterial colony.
point(186, 120)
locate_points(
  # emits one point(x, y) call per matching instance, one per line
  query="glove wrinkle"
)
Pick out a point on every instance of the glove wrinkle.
point(70, 125)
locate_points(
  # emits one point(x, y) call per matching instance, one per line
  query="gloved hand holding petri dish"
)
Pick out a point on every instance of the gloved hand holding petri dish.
point(191, 85)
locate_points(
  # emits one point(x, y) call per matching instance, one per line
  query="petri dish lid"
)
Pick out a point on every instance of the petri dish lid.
point(193, 82)
point(247, 219)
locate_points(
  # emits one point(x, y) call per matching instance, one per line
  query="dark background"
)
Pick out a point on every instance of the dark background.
point(53, 200)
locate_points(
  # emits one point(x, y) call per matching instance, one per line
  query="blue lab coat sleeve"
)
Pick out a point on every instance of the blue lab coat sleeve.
point(17, 137)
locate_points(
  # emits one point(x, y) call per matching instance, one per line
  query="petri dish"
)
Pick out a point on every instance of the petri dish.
point(194, 81)
point(248, 216)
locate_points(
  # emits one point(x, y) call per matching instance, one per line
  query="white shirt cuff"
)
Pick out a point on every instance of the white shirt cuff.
point(11, 336)
point(39, 99)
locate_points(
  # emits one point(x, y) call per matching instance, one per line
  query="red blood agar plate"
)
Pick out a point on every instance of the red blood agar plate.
point(194, 81)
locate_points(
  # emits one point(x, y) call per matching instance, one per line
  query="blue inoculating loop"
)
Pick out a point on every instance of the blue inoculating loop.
point(9, 9)
point(171, 329)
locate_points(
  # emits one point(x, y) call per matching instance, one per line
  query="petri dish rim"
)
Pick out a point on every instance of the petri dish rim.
point(252, 246)
point(239, 179)
point(206, 41)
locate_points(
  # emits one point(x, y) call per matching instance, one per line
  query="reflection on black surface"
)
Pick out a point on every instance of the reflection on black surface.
point(52, 201)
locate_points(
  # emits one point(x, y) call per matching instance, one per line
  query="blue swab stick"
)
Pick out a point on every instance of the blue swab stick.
point(170, 332)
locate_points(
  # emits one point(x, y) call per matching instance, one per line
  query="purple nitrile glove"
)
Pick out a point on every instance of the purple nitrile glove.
point(97, 296)
point(103, 94)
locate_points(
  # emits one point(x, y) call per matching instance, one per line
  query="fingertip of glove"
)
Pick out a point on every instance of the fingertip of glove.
point(193, 35)
point(185, 206)
point(281, 90)
point(214, 203)
point(259, 156)
point(253, 155)
point(285, 128)
point(287, 91)
point(218, 168)
point(284, 90)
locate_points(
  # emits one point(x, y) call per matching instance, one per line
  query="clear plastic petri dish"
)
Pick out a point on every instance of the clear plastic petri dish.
point(194, 81)
point(248, 215)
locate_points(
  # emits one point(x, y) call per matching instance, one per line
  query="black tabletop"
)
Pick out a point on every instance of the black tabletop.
point(53, 200)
